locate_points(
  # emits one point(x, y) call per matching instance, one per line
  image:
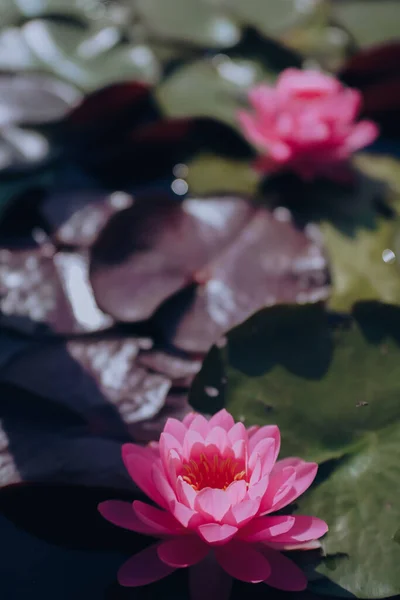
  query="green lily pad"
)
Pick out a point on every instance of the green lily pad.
point(291, 366)
point(273, 17)
point(332, 384)
point(29, 9)
point(192, 21)
point(365, 265)
point(9, 13)
point(372, 22)
point(360, 502)
point(213, 88)
point(88, 58)
point(211, 173)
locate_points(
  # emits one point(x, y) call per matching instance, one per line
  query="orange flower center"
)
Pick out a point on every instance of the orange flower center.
point(213, 472)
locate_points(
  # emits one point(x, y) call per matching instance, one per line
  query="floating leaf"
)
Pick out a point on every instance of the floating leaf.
point(273, 17)
point(76, 218)
point(34, 99)
point(84, 376)
point(89, 59)
point(208, 88)
point(359, 501)
point(365, 264)
point(370, 22)
point(190, 21)
point(291, 365)
point(365, 267)
point(332, 386)
point(41, 289)
point(210, 174)
point(166, 247)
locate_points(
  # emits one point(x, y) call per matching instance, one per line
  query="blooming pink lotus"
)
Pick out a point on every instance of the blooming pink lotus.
point(306, 123)
point(216, 484)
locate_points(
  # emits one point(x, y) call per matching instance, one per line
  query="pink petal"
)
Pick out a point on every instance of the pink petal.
point(208, 581)
point(243, 562)
point(213, 503)
point(167, 443)
point(216, 534)
point(161, 522)
point(238, 432)
point(252, 430)
point(280, 485)
point(346, 106)
point(363, 134)
point(236, 491)
point(192, 444)
point(256, 471)
point(201, 425)
point(186, 516)
point(268, 431)
point(263, 528)
point(259, 489)
point(162, 486)
point(172, 465)
point(305, 472)
point(285, 574)
point(263, 98)
point(222, 419)
point(143, 568)
point(139, 462)
point(186, 494)
point(252, 130)
point(295, 81)
point(189, 418)
point(245, 511)
point(121, 514)
point(280, 151)
point(305, 529)
point(175, 428)
point(183, 552)
point(265, 451)
point(217, 437)
point(314, 545)
point(239, 449)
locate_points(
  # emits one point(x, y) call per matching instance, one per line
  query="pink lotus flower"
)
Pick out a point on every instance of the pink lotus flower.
point(216, 484)
point(306, 123)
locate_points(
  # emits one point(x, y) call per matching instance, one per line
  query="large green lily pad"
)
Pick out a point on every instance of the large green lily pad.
point(87, 57)
point(191, 21)
point(332, 384)
point(213, 88)
point(210, 173)
point(290, 365)
point(365, 264)
point(272, 17)
point(360, 502)
point(369, 22)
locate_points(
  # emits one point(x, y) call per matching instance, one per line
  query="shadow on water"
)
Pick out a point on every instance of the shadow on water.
point(348, 206)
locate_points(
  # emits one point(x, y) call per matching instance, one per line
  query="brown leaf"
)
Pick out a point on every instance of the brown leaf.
point(76, 218)
point(41, 287)
point(230, 257)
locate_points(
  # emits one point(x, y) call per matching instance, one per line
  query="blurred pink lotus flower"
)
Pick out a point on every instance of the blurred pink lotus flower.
point(306, 124)
point(216, 484)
